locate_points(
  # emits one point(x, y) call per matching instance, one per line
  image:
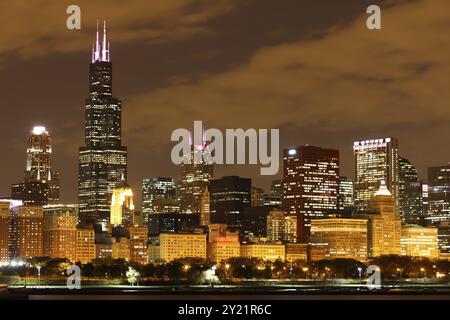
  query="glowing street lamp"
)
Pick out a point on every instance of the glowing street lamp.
point(39, 275)
point(360, 273)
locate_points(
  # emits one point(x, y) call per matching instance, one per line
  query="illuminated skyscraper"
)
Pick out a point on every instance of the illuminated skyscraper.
point(410, 193)
point(310, 185)
point(346, 194)
point(439, 194)
point(375, 160)
point(40, 184)
point(122, 206)
point(103, 159)
point(153, 189)
point(194, 178)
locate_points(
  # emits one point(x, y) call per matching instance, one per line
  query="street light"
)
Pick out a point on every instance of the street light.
point(305, 270)
point(39, 275)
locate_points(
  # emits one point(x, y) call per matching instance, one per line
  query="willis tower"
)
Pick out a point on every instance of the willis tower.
point(103, 159)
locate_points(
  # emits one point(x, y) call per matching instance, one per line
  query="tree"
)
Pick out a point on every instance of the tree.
point(132, 276)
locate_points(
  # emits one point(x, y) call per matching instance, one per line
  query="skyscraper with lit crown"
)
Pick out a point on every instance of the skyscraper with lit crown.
point(103, 159)
point(40, 184)
point(375, 160)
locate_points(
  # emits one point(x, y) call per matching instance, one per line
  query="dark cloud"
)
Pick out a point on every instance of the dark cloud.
point(310, 68)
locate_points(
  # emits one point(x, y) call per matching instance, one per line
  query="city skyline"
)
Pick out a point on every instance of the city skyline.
point(150, 148)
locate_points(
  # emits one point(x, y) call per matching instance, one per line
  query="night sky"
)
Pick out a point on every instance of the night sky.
point(310, 68)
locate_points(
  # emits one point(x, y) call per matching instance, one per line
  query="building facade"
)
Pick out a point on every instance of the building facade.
point(4, 230)
point(384, 226)
point(340, 238)
point(418, 241)
point(153, 189)
point(138, 244)
point(174, 246)
point(346, 195)
point(281, 227)
point(122, 206)
point(310, 185)
point(439, 194)
point(264, 251)
point(195, 176)
point(205, 208)
point(85, 245)
point(222, 243)
point(60, 230)
point(230, 195)
point(375, 160)
point(26, 232)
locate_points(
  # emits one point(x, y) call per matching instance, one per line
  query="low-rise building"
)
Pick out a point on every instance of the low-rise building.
point(296, 251)
point(264, 251)
point(418, 241)
point(340, 238)
point(174, 246)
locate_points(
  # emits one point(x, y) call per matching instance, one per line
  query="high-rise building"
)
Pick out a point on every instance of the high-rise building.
point(171, 222)
point(26, 237)
point(40, 184)
point(281, 227)
point(384, 226)
point(444, 237)
point(414, 203)
point(205, 208)
point(310, 185)
point(138, 244)
point(60, 230)
point(195, 176)
point(230, 195)
point(4, 230)
point(103, 159)
point(153, 189)
point(254, 222)
point(346, 194)
point(122, 206)
point(409, 193)
point(258, 199)
point(418, 241)
point(276, 188)
point(375, 160)
point(275, 225)
point(439, 194)
point(340, 238)
point(273, 198)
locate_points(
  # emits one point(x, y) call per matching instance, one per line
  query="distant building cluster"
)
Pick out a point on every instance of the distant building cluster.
point(312, 213)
